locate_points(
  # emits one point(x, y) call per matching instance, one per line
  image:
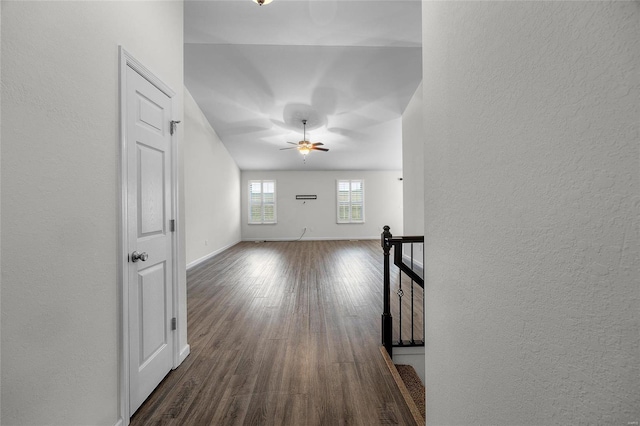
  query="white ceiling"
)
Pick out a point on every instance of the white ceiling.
point(348, 67)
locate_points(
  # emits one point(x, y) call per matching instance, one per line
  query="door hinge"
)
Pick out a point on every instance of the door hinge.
point(174, 324)
point(172, 126)
point(172, 225)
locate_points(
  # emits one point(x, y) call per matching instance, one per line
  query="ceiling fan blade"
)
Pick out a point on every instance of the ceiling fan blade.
point(281, 149)
point(319, 149)
point(292, 143)
point(317, 144)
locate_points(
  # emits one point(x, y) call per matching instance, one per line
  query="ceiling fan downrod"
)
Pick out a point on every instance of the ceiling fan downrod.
point(304, 130)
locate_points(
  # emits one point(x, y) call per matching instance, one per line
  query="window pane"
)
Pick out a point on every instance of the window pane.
point(356, 212)
point(269, 213)
point(255, 187)
point(256, 213)
point(343, 212)
point(268, 187)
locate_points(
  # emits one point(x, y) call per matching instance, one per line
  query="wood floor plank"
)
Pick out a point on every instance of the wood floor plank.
point(283, 333)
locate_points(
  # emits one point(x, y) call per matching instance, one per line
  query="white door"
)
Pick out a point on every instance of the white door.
point(150, 260)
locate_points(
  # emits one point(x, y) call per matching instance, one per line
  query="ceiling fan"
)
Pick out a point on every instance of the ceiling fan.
point(304, 146)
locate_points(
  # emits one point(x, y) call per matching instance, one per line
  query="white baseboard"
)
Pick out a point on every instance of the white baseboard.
point(119, 422)
point(312, 239)
point(210, 255)
point(184, 353)
point(408, 350)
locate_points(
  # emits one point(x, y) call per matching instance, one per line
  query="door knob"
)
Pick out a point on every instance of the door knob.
point(135, 256)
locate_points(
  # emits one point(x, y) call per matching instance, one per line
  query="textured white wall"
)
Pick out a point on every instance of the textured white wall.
point(383, 205)
point(60, 193)
point(413, 173)
point(531, 212)
point(413, 165)
point(0, 207)
point(212, 188)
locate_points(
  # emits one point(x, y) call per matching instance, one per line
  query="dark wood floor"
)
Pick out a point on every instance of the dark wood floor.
point(283, 333)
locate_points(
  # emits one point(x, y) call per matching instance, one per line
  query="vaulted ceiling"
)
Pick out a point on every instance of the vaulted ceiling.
point(348, 67)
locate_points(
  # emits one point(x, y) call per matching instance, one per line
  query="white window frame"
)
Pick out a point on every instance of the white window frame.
point(251, 204)
point(350, 203)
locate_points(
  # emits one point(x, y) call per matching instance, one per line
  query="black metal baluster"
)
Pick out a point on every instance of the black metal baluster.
point(400, 294)
point(412, 312)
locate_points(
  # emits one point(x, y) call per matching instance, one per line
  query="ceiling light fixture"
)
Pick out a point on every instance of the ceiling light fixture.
point(304, 150)
point(261, 2)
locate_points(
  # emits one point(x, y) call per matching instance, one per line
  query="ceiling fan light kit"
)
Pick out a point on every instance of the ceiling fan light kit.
point(261, 2)
point(304, 146)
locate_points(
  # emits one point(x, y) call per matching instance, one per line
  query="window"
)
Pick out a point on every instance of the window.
point(351, 201)
point(262, 201)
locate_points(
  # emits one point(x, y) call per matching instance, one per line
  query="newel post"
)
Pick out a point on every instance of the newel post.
point(386, 313)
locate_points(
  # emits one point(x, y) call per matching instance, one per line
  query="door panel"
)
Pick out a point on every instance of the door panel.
point(149, 113)
point(151, 306)
point(148, 146)
point(150, 191)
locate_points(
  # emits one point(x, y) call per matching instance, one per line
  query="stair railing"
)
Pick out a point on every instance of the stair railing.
point(388, 242)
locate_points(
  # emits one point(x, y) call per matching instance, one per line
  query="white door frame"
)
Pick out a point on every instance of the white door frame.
point(127, 60)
